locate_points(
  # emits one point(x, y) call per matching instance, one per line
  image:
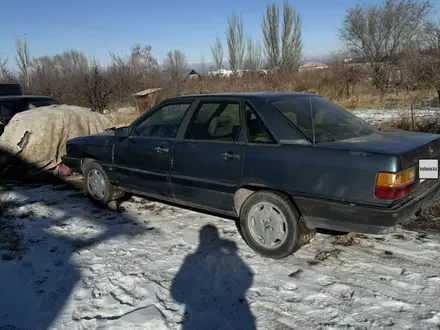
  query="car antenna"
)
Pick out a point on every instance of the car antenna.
point(313, 121)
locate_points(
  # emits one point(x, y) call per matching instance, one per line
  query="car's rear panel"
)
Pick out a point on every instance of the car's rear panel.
point(430, 150)
point(409, 147)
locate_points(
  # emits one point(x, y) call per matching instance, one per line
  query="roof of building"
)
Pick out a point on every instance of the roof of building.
point(147, 91)
point(313, 64)
point(187, 72)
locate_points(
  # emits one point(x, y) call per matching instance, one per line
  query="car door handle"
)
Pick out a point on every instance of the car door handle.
point(230, 155)
point(162, 149)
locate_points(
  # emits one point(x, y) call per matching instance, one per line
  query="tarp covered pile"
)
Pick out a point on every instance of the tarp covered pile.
point(38, 136)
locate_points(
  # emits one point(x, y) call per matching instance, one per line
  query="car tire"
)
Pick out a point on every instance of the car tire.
point(97, 185)
point(282, 219)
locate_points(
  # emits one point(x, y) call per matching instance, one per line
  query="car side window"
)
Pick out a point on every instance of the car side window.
point(257, 131)
point(41, 102)
point(217, 121)
point(9, 108)
point(163, 123)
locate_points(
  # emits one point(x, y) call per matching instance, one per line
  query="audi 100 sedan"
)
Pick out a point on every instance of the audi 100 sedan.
point(283, 164)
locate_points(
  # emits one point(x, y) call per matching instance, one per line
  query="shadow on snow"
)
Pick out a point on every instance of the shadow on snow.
point(212, 284)
point(36, 285)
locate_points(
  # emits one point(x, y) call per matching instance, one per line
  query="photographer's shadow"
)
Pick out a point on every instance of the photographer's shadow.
point(212, 284)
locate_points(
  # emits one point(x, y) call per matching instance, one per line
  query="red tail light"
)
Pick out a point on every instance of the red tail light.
point(394, 185)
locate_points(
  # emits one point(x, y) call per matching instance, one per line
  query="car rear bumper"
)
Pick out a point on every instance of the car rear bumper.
point(73, 163)
point(363, 219)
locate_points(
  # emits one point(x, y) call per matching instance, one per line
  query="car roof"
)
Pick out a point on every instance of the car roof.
point(15, 97)
point(266, 96)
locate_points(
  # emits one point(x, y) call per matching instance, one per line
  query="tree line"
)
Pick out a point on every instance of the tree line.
point(395, 44)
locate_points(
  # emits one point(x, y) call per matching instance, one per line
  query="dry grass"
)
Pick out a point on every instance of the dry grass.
point(346, 240)
point(362, 95)
point(366, 98)
point(429, 220)
point(404, 122)
point(122, 119)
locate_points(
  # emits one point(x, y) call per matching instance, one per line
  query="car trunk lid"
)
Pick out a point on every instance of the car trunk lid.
point(410, 147)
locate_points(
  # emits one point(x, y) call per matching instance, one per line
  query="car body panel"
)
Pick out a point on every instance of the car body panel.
point(200, 174)
point(10, 105)
point(317, 172)
point(337, 176)
point(96, 146)
point(389, 142)
point(139, 166)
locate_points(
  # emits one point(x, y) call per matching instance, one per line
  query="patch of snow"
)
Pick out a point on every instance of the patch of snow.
point(161, 267)
point(378, 116)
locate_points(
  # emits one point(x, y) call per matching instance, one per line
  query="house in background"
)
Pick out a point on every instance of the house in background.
point(189, 74)
point(313, 65)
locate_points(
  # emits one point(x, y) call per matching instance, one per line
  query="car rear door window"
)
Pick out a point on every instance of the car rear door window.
point(256, 130)
point(216, 121)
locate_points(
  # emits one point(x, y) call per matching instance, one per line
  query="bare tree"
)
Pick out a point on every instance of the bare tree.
point(291, 38)
point(235, 42)
point(71, 63)
point(175, 64)
point(410, 70)
point(23, 60)
point(72, 78)
point(63, 76)
point(254, 56)
point(217, 53)
point(142, 60)
point(345, 73)
point(271, 33)
point(432, 35)
point(6, 75)
point(431, 56)
point(380, 33)
point(45, 78)
point(141, 64)
point(97, 89)
point(283, 48)
point(134, 72)
point(69, 69)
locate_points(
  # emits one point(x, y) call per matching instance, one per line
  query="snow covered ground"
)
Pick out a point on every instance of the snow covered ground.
point(377, 116)
point(159, 267)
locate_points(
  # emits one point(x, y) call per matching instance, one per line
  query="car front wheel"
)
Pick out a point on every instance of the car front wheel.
point(96, 184)
point(269, 224)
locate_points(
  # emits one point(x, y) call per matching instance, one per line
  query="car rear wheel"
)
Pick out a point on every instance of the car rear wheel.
point(97, 185)
point(269, 224)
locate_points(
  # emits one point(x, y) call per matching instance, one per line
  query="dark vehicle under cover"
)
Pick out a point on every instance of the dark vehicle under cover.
point(284, 164)
point(10, 105)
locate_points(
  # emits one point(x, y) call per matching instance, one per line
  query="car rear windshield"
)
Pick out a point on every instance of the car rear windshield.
point(321, 120)
point(41, 102)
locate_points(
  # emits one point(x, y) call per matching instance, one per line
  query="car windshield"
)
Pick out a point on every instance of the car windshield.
point(321, 120)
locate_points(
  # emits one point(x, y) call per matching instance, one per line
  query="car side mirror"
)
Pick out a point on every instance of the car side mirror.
point(121, 132)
